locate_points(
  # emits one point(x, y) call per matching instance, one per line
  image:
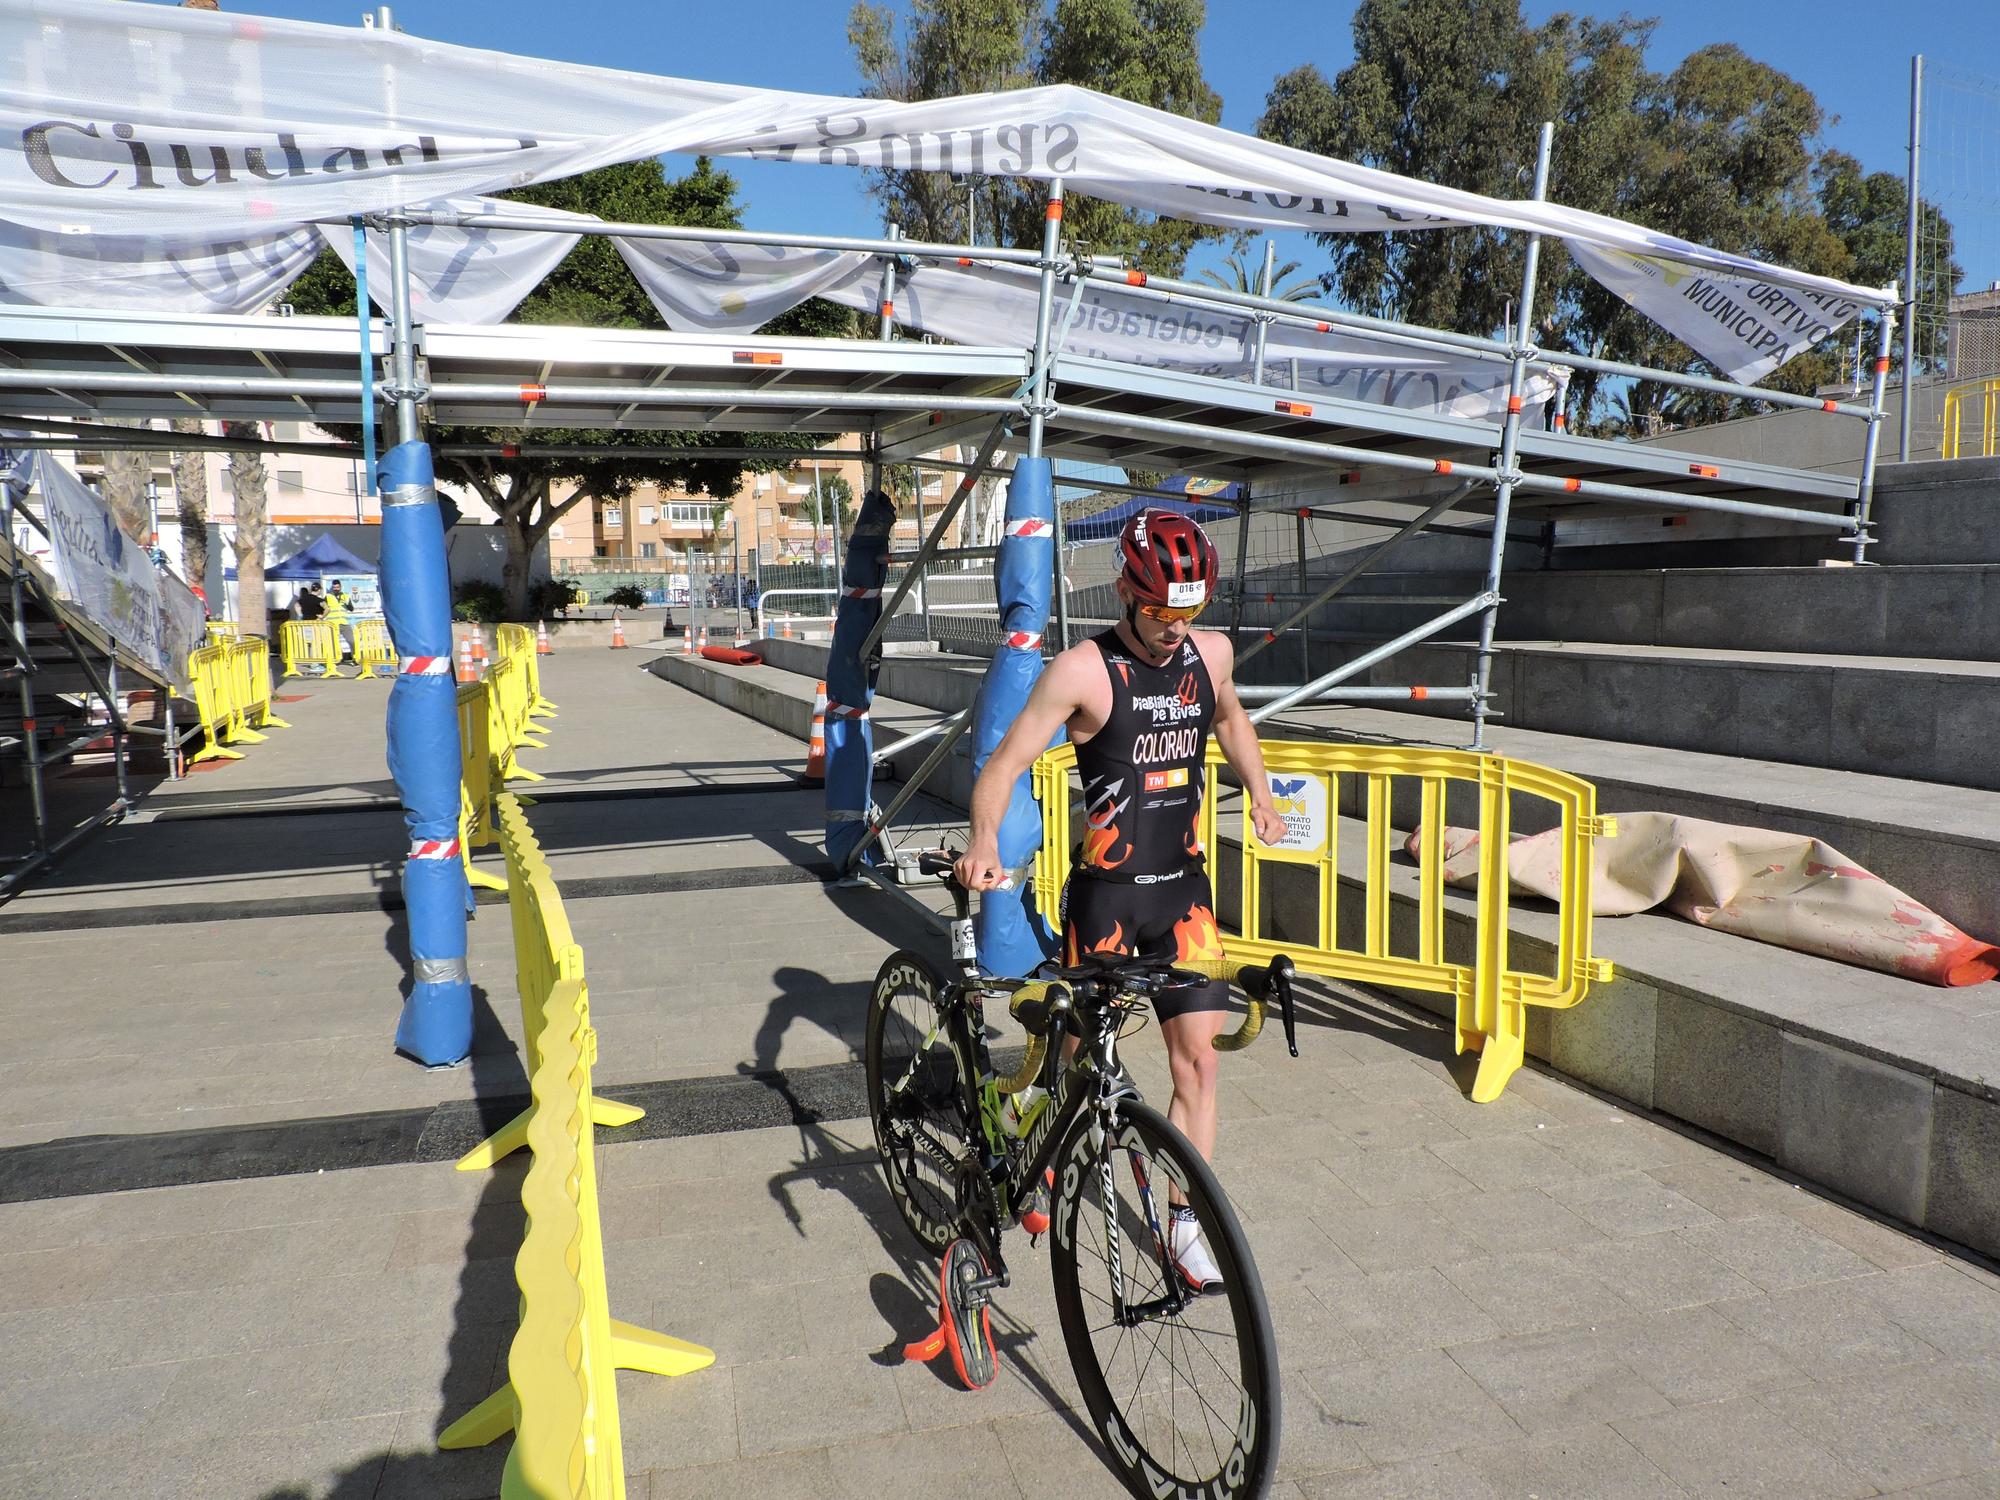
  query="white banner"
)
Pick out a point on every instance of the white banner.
point(151, 273)
point(465, 275)
point(729, 288)
point(129, 119)
point(109, 577)
point(1746, 327)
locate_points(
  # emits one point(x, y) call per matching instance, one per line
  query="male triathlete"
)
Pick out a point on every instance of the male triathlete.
point(1139, 702)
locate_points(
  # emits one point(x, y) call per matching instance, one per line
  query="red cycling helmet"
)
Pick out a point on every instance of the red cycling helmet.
point(1169, 560)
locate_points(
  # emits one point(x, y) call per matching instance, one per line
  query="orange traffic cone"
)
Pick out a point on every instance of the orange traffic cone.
point(687, 640)
point(479, 645)
point(785, 628)
point(703, 643)
point(467, 672)
point(816, 747)
point(618, 642)
point(542, 646)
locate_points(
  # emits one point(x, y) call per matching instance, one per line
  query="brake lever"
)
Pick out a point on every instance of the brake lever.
point(1287, 1012)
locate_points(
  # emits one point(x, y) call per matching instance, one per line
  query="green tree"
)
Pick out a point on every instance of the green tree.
point(831, 499)
point(1869, 210)
point(1148, 51)
point(592, 287)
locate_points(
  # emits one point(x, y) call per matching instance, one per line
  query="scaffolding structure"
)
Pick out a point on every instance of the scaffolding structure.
point(911, 400)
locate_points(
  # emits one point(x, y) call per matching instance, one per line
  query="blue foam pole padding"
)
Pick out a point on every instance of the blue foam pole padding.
point(436, 1024)
point(1013, 936)
point(850, 682)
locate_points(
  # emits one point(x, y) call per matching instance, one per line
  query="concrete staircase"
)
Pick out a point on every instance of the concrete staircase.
point(1741, 682)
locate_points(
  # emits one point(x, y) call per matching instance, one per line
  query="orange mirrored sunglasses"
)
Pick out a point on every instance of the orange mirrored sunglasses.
point(1170, 616)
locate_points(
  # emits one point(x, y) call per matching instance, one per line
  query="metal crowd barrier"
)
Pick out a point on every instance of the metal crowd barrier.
point(232, 696)
point(561, 1396)
point(372, 647)
point(310, 643)
point(1491, 997)
point(1985, 396)
point(476, 825)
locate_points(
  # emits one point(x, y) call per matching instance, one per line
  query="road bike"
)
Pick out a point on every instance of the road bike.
point(1181, 1380)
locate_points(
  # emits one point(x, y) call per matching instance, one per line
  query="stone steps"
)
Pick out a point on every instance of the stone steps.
point(1885, 1090)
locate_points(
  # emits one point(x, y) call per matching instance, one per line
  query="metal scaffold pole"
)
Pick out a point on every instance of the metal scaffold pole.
point(436, 1024)
point(1911, 224)
point(1038, 397)
point(1510, 440)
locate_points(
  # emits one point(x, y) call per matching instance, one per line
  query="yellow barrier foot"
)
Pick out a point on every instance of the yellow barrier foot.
point(214, 752)
point(508, 1138)
point(491, 1419)
point(656, 1353)
point(272, 721)
point(524, 743)
point(485, 880)
point(610, 1112)
point(1499, 1060)
point(522, 773)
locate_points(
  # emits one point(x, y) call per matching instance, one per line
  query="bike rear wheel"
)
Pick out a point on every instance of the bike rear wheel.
point(1183, 1389)
point(916, 1098)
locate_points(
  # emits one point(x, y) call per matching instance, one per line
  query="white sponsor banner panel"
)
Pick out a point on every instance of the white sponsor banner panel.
point(1301, 801)
point(150, 273)
point(109, 577)
point(125, 119)
point(1745, 326)
point(464, 274)
point(730, 288)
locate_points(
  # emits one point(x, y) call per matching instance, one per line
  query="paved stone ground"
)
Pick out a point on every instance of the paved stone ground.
point(1548, 1296)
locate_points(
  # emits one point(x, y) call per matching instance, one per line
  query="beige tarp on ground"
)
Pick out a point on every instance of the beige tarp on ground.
point(1780, 888)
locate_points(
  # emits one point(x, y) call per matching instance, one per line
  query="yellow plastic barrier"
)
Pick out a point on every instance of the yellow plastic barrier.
point(250, 682)
point(475, 785)
point(310, 643)
point(561, 1395)
point(373, 648)
point(508, 724)
point(518, 642)
point(214, 703)
point(1491, 998)
point(221, 632)
point(1985, 394)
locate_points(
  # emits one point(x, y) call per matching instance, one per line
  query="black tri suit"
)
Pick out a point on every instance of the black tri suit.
point(1141, 884)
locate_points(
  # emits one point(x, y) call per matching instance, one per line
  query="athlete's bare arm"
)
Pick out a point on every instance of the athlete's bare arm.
point(1237, 735)
point(1066, 694)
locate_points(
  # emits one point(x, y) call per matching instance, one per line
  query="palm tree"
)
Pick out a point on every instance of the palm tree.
point(1249, 282)
point(191, 503)
point(126, 472)
point(246, 486)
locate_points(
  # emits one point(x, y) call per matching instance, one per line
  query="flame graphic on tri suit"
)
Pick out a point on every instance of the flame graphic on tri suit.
point(1102, 809)
point(1115, 943)
point(1197, 936)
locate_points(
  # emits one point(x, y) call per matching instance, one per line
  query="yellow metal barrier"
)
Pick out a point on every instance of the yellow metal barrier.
point(372, 647)
point(561, 1396)
point(1491, 998)
point(310, 643)
point(1985, 394)
point(476, 827)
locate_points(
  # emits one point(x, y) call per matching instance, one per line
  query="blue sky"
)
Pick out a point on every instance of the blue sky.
point(1853, 54)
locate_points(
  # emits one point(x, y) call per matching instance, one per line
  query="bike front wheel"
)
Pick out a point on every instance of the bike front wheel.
point(916, 1098)
point(1183, 1387)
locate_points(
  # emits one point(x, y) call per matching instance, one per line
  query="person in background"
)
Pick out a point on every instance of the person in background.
point(339, 610)
point(311, 602)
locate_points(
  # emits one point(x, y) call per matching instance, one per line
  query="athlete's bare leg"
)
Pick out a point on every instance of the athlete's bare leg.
point(1191, 1061)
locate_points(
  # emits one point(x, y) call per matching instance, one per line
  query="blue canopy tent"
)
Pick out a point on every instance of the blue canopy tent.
point(1200, 505)
point(324, 558)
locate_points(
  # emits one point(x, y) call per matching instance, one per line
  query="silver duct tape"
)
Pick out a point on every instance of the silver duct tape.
point(440, 970)
point(845, 815)
point(410, 494)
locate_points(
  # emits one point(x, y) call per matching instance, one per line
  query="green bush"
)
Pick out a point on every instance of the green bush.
point(555, 595)
point(627, 596)
point(479, 601)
